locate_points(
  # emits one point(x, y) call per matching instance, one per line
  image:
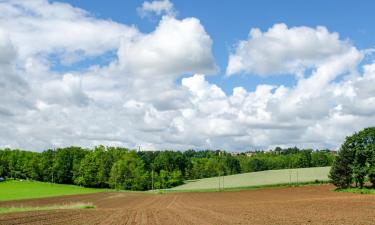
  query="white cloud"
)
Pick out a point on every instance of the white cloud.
point(69, 91)
point(183, 42)
point(7, 53)
point(15, 97)
point(136, 100)
point(283, 50)
point(59, 29)
point(14, 89)
point(159, 7)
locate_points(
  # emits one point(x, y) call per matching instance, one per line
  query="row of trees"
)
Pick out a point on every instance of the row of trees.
point(288, 158)
point(356, 160)
point(122, 168)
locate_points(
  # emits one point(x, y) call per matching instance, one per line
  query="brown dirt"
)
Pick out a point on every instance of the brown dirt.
point(289, 206)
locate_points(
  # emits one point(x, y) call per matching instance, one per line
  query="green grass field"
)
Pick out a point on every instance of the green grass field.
point(257, 179)
point(13, 190)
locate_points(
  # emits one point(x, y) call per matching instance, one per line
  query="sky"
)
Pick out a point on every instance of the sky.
point(234, 75)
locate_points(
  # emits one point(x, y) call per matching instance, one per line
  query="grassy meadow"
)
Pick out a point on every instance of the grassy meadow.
point(256, 179)
point(16, 189)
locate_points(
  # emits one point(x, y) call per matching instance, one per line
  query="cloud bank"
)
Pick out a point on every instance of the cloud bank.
point(154, 92)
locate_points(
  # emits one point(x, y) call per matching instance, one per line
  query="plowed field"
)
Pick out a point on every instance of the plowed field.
point(297, 205)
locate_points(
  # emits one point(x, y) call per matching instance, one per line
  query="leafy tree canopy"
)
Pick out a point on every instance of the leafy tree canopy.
point(356, 160)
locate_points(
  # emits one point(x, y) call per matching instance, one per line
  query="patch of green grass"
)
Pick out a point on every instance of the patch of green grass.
point(246, 181)
point(364, 190)
point(54, 207)
point(15, 190)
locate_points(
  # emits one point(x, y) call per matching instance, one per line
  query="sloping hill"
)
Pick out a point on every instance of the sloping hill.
point(269, 177)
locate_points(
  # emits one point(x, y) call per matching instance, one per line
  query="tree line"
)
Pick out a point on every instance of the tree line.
point(355, 162)
point(122, 168)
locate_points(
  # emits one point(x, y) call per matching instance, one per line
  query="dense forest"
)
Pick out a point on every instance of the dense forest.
point(121, 168)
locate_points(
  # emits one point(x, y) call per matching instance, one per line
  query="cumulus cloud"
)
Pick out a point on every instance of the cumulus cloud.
point(57, 28)
point(152, 62)
point(183, 42)
point(69, 91)
point(136, 98)
point(14, 89)
point(16, 98)
point(283, 50)
point(158, 7)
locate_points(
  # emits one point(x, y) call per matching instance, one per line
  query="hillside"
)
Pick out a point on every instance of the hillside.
point(270, 177)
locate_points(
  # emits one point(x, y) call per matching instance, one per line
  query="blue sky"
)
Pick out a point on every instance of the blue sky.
point(227, 22)
point(142, 73)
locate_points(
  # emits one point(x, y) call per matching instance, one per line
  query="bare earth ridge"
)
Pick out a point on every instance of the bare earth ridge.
point(279, 206)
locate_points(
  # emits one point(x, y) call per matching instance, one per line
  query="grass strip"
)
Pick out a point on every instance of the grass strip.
point(365, 190)
point(42, 208)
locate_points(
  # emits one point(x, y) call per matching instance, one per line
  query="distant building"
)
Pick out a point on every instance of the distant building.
point(235, 153)
point(220, 152)
point(250, 154)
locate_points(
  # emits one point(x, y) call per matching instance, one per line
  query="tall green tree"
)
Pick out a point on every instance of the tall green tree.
point(46, 165)
point(66, 164)
point(128, 173)
point(355, 160)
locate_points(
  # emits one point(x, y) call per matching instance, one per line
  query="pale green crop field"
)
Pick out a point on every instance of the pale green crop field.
point(14, 190)
point(263, 178)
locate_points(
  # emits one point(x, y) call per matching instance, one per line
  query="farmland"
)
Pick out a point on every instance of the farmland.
point(263, 178)
point(282, 206)
point(13, 190)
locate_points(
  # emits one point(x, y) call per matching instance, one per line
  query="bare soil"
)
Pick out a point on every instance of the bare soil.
point(278, 206)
